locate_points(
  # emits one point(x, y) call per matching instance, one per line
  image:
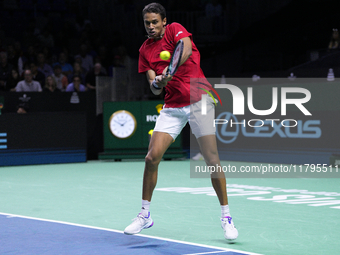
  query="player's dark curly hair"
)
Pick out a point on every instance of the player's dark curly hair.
point(155, 8)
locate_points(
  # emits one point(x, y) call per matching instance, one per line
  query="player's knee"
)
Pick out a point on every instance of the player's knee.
point(212, 158)
point(212, 162)
point(151, 160)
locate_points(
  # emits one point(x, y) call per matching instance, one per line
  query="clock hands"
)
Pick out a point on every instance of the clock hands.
point(121, 124)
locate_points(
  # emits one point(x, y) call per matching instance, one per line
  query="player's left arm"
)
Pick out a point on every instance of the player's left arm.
point(187, 49)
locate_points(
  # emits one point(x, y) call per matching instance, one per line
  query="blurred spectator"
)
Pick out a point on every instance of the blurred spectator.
point(19, 55)
point(17, 48)
point(117, 62)
point(125, 58)
point(213, 12)
point(213, 9)
point(28, 84)
point(46, 38)
point(51, 85)
point(86, 36)
point(49, 57)
point(78, 59)
point(31, 54)
point(76, 85)
point(120, 59)
point(335, 40)
point(91, 76)
point(102, 69)
point(36, 74)
point(12, 57)
point(86, 59)
point(77, 70)
point(21, 63)
point(66, 68)
point(90, 50)
point(5, 70)
point(43, 67)
point(81, 24)
point(60, 78)
point(27, 57)
point(104, 57)
point(13, 80)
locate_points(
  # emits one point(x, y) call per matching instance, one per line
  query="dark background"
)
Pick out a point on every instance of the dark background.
point(251, 36)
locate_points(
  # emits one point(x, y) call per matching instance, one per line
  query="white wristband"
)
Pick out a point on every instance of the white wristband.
point(155, 85)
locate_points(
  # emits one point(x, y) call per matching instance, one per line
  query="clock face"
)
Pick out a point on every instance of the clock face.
point(122, 124)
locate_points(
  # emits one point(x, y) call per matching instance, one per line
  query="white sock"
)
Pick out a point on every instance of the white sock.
point(225, 211)
point(145, 208)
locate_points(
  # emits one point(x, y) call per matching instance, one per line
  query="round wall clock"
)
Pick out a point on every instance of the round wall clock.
point(122, 124)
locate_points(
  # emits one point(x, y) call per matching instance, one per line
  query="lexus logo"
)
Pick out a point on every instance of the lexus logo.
point(223, 134)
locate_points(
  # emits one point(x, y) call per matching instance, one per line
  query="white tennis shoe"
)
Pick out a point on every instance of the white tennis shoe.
point(139, 223)
point(230, 232)
point(198, 156)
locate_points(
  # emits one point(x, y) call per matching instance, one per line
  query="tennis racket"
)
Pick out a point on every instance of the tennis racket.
point(175, 59)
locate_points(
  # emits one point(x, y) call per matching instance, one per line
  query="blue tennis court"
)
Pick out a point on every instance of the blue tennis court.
point(27, 235)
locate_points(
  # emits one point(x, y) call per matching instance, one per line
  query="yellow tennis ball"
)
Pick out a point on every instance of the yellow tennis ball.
point(165, 55)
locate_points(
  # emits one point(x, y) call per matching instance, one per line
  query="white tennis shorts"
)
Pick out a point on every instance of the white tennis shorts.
point(173, 120)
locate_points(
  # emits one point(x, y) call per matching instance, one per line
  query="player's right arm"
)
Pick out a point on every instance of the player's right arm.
point(159, 81)
point(150, 76)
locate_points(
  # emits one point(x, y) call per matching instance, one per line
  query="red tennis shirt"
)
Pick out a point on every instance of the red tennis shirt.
point(178, 89)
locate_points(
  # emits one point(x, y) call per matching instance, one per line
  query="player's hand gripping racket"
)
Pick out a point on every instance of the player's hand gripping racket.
point(175, 59)
point(174, 63)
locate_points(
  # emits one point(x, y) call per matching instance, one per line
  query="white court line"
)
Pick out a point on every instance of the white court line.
point(202, 253)
point(121, 232)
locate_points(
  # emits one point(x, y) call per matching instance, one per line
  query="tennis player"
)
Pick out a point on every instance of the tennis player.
point(180, 107)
